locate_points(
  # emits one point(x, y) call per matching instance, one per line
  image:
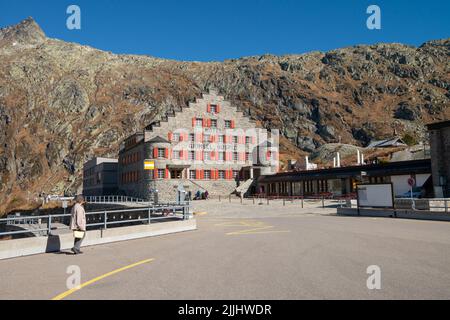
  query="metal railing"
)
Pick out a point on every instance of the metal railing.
point(114, 199)
point(320, 199)
point(102, 219)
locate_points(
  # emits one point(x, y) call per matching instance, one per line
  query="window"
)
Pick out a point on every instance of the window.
point(248, 140)
point(207, 174)
point(206, 137)
point(221, 138)
point(206, 155)
point(235, 156)
point(213, 123)
point(192, 174)
point(235, 139)
point(235, 174)
point(191, 137)
point(213, 108)
point(161, 152)
point(176, 154)
point(176, 137)
point(247, 156)
point(221, 156)
point(227, 124)
point(191, 155)
point(161, 173)
point(222, 174)
point(199, 122)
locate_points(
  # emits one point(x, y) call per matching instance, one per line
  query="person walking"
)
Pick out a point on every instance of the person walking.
point(78, 223)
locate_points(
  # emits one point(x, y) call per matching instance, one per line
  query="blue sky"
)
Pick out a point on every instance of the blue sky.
point(217, 30)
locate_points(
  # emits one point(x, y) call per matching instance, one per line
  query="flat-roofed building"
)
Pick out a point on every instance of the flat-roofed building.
point(100, 177)
point(343, 180)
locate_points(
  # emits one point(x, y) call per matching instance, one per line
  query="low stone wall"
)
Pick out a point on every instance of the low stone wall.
point(167, 189)
point(399, 213)
point(56, 243)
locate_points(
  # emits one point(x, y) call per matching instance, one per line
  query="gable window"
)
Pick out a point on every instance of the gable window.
point(213, 123)
point(213, 108)
point(161, 152)
point(199, 122)
point(176, 154)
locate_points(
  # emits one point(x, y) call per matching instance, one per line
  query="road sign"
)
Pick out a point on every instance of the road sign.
point(411, 182)
point(149, 165)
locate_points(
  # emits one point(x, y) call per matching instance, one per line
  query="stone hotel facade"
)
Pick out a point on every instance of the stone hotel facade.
point(209, 145)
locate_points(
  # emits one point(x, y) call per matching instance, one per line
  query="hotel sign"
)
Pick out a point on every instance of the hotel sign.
point(149, 165)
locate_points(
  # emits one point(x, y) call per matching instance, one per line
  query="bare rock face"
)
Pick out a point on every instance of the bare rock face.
point(62, 103)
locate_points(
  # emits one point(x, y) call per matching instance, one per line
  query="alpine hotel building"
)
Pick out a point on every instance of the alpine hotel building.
point(209, 145)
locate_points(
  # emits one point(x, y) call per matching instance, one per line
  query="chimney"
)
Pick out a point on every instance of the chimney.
point(358, 154)
point(334, 162)
point(338, 160)
point(307, 163)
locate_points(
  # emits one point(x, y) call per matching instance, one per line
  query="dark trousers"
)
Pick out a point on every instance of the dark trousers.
point(77, 242)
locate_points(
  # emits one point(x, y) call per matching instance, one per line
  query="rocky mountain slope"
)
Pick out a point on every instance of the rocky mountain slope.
point(61, 103)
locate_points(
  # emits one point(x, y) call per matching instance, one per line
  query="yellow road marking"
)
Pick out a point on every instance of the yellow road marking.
point(69, 292)
point(258, 227)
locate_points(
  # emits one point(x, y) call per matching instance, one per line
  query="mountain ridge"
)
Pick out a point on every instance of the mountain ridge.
point(61, 103)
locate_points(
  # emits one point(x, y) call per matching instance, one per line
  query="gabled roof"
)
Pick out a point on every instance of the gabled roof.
point(392, 142)
point(158, 139)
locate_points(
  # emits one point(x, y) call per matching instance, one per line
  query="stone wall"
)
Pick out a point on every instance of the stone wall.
point(440, 160)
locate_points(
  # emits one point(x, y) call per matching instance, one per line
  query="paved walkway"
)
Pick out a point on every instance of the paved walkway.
point(251, 252)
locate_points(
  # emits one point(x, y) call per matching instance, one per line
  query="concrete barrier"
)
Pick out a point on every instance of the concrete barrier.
point(56, 243)
point(399, 213)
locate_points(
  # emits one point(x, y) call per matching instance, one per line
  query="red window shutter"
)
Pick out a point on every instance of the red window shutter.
point(155, 173)
point(170, 136)
point(202, 172)
point(232, 124)
point(166, 153)
point(204, 123)
point(193, 122)
point(218, 108)
point(155, 153)
point(208, 108)
point(167, 174)
point(212, 155)
point(197, 174)
point(209, 123)
point(216, 176)
point(268, 155)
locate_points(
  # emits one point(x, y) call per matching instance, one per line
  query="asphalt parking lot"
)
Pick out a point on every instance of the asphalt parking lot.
point(251, 251)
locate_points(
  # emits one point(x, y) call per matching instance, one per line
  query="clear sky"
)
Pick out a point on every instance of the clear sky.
point(216, 30)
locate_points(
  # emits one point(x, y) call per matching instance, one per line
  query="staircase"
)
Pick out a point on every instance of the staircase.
point(243, 187)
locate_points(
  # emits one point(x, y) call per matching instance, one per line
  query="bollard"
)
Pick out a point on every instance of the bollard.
point(267, 200)
point(302, 202)
point(105, 219)
point(253, 200)
point(323, 202)
point(241, 200)
point(49, 225)
point(284, 202)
